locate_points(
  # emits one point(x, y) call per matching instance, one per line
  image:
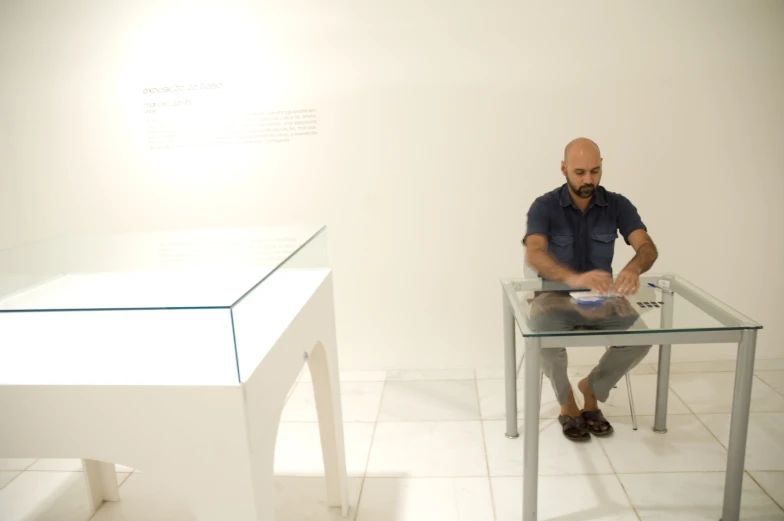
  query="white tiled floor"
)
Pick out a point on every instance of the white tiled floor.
point(15, 464)
point(492, 399)
point(426, 499)
point(772, 483)
point(714, 366)
point(765, 447)
point(360, 402)
point(298, 449)
point(693, 496)
point(430, 444)
point(769, 364)
point(687, 446)
point(712, 393)
point(557, 455)
point(566, 498)
point(431, 374)
point(7, 476)
point(428, 449)
point(448, 400)
point(775, 379)
point(46, 496)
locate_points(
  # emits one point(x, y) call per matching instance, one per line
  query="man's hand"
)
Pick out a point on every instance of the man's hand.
point(627, 282)
point(596, 280)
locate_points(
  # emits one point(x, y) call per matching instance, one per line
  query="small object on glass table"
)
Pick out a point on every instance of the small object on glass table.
point(590, 298)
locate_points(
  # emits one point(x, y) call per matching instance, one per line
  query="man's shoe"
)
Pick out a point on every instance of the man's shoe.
point(574, 428)
point(596, 423)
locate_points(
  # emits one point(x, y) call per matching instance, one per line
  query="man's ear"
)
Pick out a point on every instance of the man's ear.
point(563, 168)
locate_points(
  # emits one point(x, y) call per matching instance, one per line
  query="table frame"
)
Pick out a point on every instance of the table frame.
point(746, 338)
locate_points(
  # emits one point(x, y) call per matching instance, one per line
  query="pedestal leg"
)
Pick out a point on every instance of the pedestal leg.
point(739, 425)
point(326, 388)
point(101, 480)
point(533, 388)
point(663, 378)
point(510, 368)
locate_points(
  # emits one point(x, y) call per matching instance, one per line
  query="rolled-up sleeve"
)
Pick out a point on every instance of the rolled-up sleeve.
point(628, 218)
point(538, 219)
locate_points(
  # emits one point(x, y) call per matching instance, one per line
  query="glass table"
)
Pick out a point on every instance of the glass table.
point(170, 352)
point(187, 294)
point(666, 310)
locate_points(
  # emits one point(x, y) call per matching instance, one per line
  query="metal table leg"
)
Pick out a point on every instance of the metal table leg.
point(739, 425)
point(531, 435)
point(631, 401)
point(663, 378)
point(510, 368)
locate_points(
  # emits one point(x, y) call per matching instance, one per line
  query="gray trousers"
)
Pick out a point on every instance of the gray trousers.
point(555, 312)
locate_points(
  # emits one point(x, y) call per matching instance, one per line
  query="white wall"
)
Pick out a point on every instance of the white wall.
point(439, 122)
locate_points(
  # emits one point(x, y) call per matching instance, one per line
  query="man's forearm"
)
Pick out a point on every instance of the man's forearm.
point(547, 266)
point(644, 258)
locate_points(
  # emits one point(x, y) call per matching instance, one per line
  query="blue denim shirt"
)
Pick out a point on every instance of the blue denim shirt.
point(583, 241)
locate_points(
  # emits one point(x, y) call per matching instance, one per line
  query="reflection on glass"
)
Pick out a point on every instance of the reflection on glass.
point(154, 270)
point(543, 308)
point(559, 311)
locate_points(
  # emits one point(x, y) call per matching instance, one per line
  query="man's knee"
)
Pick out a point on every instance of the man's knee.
point(554, 354)
point(554, 361)
point(634, 349)
point(634, 353)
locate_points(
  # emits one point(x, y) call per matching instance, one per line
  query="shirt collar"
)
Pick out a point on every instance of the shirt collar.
point(598, 197)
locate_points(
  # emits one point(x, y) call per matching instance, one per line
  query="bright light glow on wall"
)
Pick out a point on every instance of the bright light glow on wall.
point(205, 79)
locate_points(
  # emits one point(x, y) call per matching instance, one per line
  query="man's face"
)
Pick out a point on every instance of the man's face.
point(583, 171)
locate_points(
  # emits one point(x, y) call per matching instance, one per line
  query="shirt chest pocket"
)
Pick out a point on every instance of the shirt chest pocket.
point(561, 246)
point(603, 246)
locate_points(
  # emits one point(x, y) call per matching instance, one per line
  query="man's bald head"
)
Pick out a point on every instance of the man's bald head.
point(581, 146)
point(582, 167)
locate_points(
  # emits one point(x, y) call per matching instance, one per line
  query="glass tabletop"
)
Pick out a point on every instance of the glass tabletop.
point(188, 307)
point(664, 303)
point(183, 269)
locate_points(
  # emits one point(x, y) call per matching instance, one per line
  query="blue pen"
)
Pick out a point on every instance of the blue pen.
point(668, 290)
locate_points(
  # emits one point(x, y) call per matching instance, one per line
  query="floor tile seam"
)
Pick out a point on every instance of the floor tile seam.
point(484, 445)
point(370, 451)
point(764, 490)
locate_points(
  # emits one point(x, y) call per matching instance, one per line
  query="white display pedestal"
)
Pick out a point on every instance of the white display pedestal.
point(191, 395)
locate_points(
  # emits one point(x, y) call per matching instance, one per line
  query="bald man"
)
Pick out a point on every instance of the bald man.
point(570, 239)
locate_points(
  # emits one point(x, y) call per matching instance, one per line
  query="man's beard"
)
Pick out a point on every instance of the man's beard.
point(584, 191)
